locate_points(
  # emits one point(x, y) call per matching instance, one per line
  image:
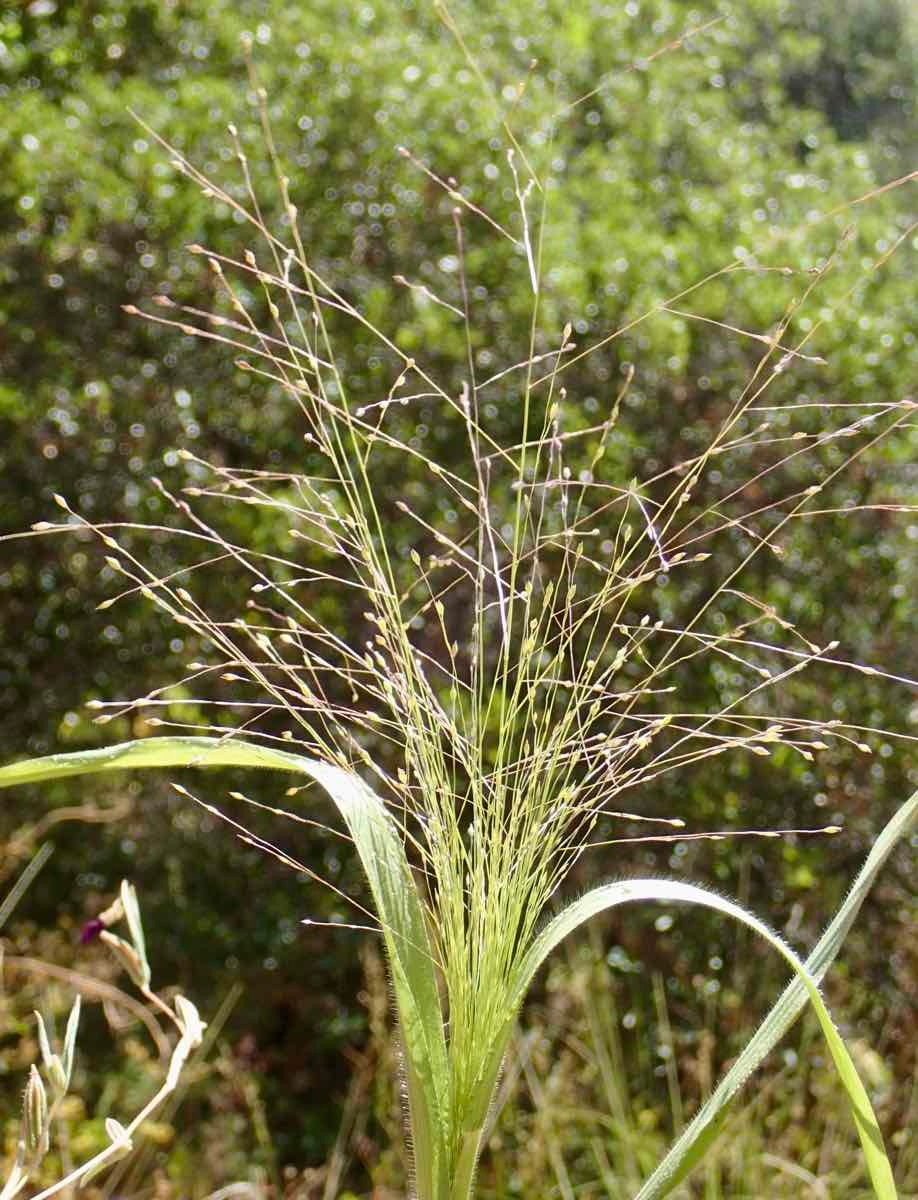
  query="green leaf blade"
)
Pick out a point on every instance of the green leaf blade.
point(611, 895)
point(376, 838)
point(701, 1132)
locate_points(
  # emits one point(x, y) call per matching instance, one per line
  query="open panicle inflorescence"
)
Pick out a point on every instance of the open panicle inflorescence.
point(521, 668)
point(505, 676)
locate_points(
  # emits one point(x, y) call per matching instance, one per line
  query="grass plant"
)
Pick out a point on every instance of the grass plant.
point(510, 679)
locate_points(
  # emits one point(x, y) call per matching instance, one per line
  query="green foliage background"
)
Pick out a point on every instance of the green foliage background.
point(724, 147)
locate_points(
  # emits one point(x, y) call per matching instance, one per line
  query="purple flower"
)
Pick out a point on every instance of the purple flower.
point(91, 931)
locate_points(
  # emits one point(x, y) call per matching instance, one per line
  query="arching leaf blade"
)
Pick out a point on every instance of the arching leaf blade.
point(701, 1132)
point(611, 895)
point(395, 895)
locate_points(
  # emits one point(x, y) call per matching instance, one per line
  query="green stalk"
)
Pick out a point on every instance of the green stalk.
point(466, 1164)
